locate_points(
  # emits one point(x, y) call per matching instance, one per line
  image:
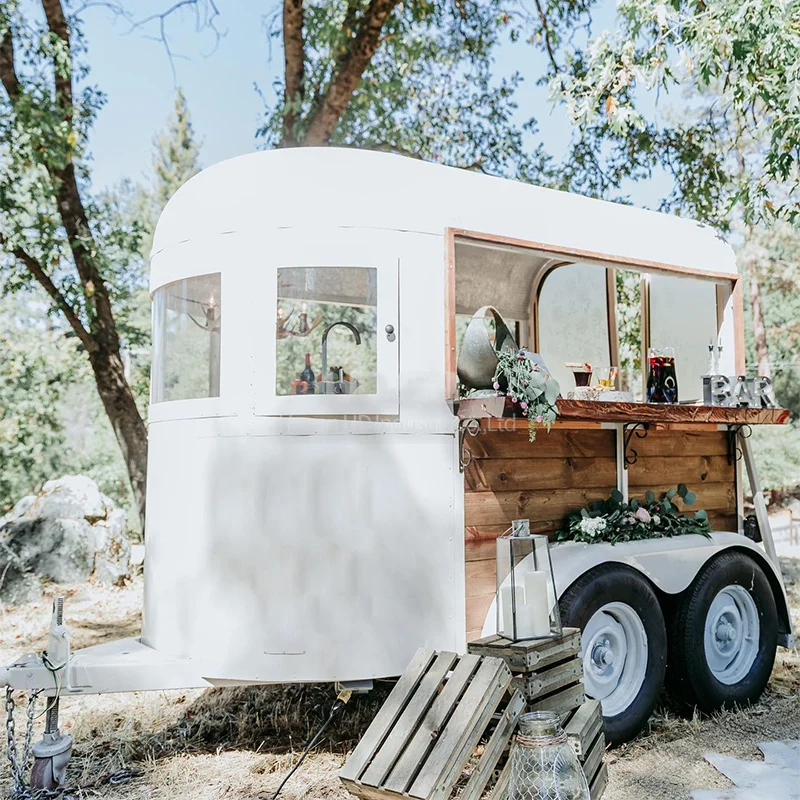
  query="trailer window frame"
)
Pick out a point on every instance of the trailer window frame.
point(728, 286)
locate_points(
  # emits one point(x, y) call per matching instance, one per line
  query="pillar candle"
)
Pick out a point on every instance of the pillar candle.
point(537, 602)
point(506, 617)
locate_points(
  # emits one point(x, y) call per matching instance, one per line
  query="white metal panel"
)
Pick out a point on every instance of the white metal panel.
point(284, 558)
point(671, 564)
point(333, 187)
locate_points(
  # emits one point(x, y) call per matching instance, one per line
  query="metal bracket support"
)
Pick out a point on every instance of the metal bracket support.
point(638, 429)
point(473, 428)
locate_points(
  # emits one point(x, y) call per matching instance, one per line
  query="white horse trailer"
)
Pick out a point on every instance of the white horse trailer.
point(325, 536)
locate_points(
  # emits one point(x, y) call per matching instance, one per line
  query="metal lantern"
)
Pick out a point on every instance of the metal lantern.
point(526, 595)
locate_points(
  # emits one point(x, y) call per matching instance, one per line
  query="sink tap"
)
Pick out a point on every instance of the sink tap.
point(356, 336)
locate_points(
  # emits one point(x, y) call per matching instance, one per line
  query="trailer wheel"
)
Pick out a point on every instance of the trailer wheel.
point(624, 645)
point(724, 634)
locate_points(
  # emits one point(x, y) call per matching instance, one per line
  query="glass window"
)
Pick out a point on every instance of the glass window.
point(187, 328)
point(326, 331)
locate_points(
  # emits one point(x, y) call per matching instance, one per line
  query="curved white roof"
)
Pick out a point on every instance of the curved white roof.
point(336, 187)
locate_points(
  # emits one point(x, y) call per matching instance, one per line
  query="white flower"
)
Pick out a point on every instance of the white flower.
point(656, 519)
point(592, 525)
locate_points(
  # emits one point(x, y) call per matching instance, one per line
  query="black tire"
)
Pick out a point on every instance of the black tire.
point(610, 583)
point(690, 675)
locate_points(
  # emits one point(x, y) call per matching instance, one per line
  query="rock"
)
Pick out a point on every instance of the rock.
point(112, 549)
point(70, 497)
point(137, 555)
point(67, 533)
point(60, 550)
point(17, 586)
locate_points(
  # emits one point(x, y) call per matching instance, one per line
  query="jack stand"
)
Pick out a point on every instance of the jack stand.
point(51, 755)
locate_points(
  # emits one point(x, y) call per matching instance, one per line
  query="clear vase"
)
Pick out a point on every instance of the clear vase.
point(543, 764)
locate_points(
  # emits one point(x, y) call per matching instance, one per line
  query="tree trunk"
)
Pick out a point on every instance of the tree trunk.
point(759, 329)
point(129, 429)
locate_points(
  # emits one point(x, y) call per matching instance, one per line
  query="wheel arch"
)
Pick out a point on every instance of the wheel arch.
point(669, 565)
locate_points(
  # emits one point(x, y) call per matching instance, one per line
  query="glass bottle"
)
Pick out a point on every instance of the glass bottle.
point(543, 764)
point(308, 377)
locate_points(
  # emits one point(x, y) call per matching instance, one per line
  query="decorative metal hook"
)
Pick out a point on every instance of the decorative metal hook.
point(473, 428)
point(734, 448)
point(640, 429)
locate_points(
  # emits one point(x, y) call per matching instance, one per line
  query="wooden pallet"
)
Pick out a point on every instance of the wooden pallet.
point(428, 731)
point(530, 656)
point(549, 674)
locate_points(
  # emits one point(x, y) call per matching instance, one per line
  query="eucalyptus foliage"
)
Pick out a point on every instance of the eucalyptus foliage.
point(613, 520)
point(529, 388)
point(737, 63)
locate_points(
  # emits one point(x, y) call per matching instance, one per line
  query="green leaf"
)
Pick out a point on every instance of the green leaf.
point(666, 506)
point(671, 493)
point(617, 496)
point(689, 498)
point(682, 490)
point(551, 391)
point(701, 514)
point(634, 504)
point(649, 496)
point(584, 513)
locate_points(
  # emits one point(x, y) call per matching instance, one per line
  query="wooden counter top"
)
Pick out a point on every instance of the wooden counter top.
point(601, 411)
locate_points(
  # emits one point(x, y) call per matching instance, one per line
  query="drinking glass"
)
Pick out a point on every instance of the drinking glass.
point(607, 378)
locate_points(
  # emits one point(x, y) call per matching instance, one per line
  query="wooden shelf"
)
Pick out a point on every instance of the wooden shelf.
point(598, 411)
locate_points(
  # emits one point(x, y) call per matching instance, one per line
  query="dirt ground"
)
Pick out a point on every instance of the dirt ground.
point(238, 743)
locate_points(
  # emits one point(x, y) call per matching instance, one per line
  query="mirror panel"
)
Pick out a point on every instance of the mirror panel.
point(573, 320)
point(683, 315)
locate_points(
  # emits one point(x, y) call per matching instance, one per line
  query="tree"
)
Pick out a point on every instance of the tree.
point(411, 77)
point(37, 363)
point(52, 231)
point(745, 54)
point(176, 154)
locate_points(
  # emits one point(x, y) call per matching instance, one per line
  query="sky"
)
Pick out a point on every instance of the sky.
point(219, 79)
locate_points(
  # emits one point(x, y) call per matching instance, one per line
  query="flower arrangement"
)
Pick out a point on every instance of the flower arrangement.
point(613, 520)
point(535, 392)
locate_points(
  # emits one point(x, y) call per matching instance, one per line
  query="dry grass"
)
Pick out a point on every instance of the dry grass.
point(238, 743)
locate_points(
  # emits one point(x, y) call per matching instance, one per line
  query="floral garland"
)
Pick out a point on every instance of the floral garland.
point(613, 520)
point(528, 385)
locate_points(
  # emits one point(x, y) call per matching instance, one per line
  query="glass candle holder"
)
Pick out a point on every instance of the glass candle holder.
point(525, 591)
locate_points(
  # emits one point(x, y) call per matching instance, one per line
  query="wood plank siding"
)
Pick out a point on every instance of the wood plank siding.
point(510, 478)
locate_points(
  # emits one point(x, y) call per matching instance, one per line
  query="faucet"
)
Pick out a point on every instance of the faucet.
point(356, 336)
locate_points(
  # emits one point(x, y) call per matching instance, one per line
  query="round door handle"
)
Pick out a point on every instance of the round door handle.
point(390, 333)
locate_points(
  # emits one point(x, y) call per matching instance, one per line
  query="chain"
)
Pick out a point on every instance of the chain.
point(18, 766)
point(19, 789)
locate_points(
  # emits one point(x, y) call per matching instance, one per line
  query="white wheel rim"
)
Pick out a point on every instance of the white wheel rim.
point(614, 657)
point(731, 634)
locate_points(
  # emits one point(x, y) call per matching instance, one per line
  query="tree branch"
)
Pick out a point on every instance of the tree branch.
point(8, 71)
point(57, 23)
point(546, 29)
point(294, 60)
point(36, 269)
point(348, 75)
point(102, 326)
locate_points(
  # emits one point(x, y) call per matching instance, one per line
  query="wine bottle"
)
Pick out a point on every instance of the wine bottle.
point(308, 376)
